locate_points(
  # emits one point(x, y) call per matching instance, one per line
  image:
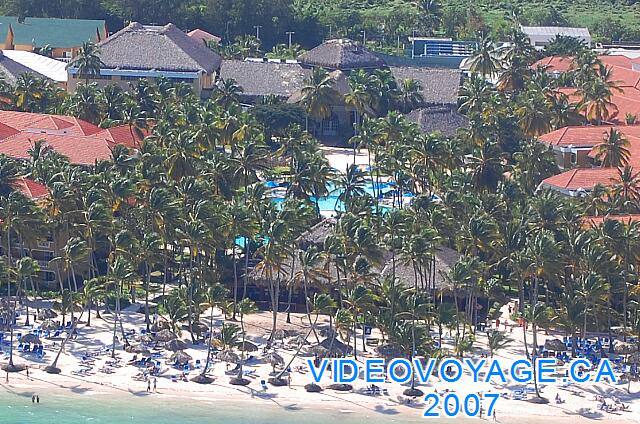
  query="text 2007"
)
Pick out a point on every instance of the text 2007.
point(454, 404)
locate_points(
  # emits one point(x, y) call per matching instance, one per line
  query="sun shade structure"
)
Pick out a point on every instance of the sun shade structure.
point(55, 70)
point(342, 54)
point(10, 70)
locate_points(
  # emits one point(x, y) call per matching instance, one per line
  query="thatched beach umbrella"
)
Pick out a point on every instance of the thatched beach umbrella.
point(175, 345)
point(229, 357)
point(46, 314)
point(199, 328)
point(147, 338)
point(327, 347)
point(247, 346)
point(298, 340)
point(162, 324)
point(180, 357)
point(312, 388)
point(30, 339)
point(390, 351)
point(555, 345)
point(138, 349)
point(274, 359)
point(165, 336)
point(341, 387)
point(624, 348)
point(49, 325)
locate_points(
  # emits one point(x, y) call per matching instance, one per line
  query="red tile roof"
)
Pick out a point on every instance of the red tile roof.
point(621, 67)
point(203, 36)
point(31, 189)
point(587, 136)
point(628, 102)
point(80, 141)
point(596, 221)
point(581, 178)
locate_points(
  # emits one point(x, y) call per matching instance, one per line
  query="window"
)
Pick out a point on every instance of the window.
point(574, 158)
point(330, 126)
point(129, 78)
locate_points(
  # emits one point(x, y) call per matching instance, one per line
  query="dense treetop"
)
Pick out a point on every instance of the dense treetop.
point(383, 20)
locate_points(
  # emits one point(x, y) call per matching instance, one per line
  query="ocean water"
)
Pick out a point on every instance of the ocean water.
point(79, 407)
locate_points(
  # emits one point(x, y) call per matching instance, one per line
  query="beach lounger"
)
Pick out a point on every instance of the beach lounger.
point(263, 384)
point(198, 364)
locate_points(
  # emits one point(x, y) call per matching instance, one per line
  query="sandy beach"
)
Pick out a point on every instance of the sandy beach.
point(123, 380)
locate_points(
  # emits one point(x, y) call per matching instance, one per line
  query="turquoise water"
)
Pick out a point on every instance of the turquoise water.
point(69, 407)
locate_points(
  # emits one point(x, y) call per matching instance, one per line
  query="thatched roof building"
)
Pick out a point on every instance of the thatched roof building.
point(259, 79)
point(438, 86)
point(161, 48)
point(445, 258)
point(438, 119)
point(342, 54)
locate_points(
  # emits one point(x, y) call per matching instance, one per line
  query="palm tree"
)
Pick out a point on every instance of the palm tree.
point(245, 307)
point(409, 95)
point(216, 295)
point(485, 61)
point(92, 287)
point(359, 299)
point(321, 304)
point(318, 95)
point(26, 268)
point(614, 150)
point(497, 340)
point(88, 61)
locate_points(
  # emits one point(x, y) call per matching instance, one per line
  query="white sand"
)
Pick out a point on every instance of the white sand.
point(580, 405)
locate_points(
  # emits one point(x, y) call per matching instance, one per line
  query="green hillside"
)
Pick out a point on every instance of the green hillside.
point(382, 20)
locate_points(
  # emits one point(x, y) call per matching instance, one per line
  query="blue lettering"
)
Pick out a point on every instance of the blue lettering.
point(444, 365)
point(495, 370)
point(543, 370)
point(312, 367)
point(374, 367)
point(475, 367)
point(399, 362)
point(342, 363)
point(579, 375)
point(521, 376)
point(423, 375)
point(608, 372)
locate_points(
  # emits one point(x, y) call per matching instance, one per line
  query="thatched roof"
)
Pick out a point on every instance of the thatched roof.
point(10, 70)
point(438, 119)
point(341, 54)
point(330, 347)
point(317, 234)
point(445, 259)
point(163, 48)
point(265, 78)
point(439, 86)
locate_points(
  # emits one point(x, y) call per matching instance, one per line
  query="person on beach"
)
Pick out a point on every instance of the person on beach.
point(37, 398)
point(33, 398)
point(148, 386)
point(27, 373)
point(155, 382)
point(494, 415)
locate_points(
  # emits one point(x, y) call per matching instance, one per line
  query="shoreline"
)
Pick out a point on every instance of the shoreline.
point(283, 399)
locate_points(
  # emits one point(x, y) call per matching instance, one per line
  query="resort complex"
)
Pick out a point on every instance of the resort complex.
point(373, 227)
